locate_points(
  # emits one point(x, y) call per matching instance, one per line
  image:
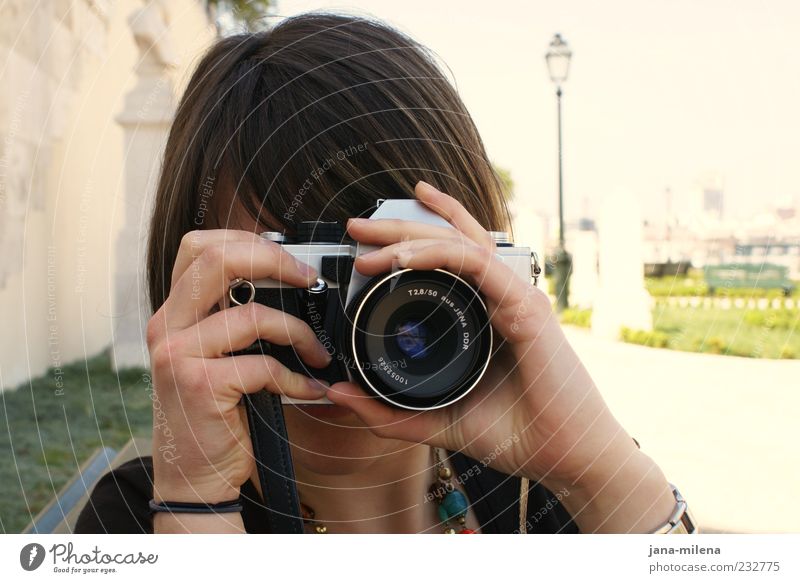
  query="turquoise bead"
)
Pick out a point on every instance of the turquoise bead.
point(454, 504)
point(443, 513)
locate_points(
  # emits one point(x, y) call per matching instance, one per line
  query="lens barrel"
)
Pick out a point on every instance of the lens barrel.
point(418, 339)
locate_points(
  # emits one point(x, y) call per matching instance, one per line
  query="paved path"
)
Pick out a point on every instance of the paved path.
point(725, 429)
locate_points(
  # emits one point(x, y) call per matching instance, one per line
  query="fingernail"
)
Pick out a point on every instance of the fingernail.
point(318, 386)
point(324, 351)
point(355, 221)
point(403, 257)
point(430, 186)
point(371, 254)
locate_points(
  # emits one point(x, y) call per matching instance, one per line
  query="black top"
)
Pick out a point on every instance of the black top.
point(120, 501)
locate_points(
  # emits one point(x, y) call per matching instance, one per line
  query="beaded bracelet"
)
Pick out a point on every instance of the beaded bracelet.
point(196, 507)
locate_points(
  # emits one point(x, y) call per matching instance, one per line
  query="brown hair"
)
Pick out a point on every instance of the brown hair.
point(315, 119)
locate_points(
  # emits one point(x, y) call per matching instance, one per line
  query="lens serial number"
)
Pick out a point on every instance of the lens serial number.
point(386, 368)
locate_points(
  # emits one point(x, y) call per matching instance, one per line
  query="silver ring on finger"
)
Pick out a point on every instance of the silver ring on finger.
point(236, 284)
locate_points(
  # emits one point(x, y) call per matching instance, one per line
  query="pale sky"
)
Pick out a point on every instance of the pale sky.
point(660, 94)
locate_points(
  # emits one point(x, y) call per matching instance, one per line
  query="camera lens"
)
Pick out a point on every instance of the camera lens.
point(412, 338)
point(419, 339)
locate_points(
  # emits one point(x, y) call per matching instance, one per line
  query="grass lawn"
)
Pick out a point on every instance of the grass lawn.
point(45, 437)
point(732, 331)
point(772, 333)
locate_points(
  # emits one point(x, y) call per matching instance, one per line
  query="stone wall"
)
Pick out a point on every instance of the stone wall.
point(65, 69)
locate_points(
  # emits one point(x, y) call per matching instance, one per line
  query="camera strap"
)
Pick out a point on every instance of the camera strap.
point(274, 462)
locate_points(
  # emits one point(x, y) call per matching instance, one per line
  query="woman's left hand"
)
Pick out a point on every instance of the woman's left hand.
point(536, 412)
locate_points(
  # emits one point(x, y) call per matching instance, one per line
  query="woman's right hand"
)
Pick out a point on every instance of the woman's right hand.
point(201, 443)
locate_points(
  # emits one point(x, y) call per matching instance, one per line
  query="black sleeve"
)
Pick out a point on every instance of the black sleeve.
point(546, 513)
point(119, 503)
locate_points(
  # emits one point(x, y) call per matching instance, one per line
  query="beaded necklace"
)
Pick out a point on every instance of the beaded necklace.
point(451, 503)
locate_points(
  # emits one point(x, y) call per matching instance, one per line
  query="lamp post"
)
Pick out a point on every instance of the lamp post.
point(558, 57)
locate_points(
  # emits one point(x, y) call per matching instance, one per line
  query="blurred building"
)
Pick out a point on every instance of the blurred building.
point(708, 238)
point(772, 237)
point(707, 200)
point(713, 201)
point(769, 237)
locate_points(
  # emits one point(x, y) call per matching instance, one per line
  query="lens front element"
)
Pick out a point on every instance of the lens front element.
point(412, 338)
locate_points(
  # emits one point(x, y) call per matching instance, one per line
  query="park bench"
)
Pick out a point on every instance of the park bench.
point(748, 276)
point(668, 269)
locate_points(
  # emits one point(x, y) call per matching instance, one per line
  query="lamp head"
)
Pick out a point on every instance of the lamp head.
point(558, 57)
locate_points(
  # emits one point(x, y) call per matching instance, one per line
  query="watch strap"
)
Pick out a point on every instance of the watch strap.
point(196, 507)
point(681, 520)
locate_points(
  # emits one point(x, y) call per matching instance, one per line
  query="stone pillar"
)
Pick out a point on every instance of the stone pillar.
point(146, 117)
point(583, 287)
point(622, 299)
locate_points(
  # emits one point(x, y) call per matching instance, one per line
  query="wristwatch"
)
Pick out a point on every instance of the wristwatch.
point(681, 521)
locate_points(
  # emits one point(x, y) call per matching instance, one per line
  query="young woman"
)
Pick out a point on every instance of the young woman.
point(317, 119)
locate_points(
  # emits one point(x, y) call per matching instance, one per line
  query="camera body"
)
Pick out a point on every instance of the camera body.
point(415, 339)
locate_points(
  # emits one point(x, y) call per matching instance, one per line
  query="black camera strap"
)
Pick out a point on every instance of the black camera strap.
point(268, 433)
point(274, 462)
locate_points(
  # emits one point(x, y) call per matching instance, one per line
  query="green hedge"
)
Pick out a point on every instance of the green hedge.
point(661, 287)
point(653, 338)
point(575, 317)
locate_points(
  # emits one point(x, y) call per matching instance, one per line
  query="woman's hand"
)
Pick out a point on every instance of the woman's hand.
point(201, 444)
point(536, 412)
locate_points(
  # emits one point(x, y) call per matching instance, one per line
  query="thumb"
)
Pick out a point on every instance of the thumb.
point(391, 422)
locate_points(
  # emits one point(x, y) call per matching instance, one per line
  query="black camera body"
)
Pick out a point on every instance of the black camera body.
point(415, 339)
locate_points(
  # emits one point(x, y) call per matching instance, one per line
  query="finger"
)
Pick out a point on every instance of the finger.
point(496, 280)
point(388, 231)
point(238, 327)
point(454, 212)
point(389, 422)
point(207, 279)
point(251, 373)
point(194, 243)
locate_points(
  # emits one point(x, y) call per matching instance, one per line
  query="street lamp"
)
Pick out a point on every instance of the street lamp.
point(558, 57)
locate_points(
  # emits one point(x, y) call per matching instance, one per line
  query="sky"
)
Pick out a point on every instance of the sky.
point(661, 94)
